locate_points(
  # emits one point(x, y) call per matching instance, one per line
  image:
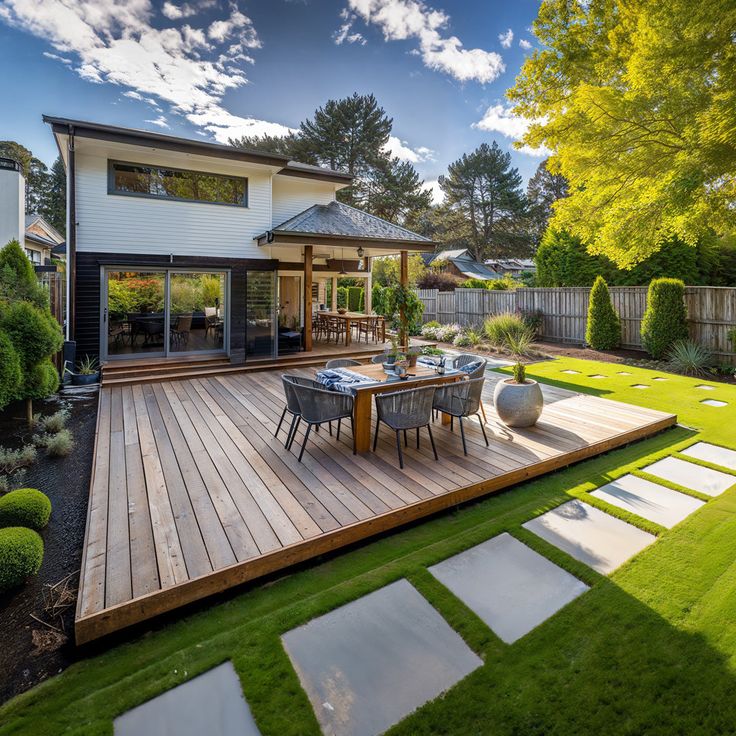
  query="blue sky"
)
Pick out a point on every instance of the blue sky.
point(214, 68)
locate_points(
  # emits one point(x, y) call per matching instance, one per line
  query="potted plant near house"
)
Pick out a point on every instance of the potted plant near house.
point(412, 354)
point(395, 358)
point(518, 400)
point(88, 372)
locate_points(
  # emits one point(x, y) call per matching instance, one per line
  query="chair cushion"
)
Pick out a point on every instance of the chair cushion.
point(471, 367)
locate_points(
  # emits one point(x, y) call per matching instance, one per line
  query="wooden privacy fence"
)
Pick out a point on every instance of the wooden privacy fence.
point(564, 311)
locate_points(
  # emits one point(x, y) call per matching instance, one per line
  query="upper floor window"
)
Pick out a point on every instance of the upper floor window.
point(34, 255)
point(141, 180)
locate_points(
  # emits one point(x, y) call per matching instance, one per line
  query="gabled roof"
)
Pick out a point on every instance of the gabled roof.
point(54, 236)
point(135, 136)
point(447, 255)
point(466, 264)
point(337, 220)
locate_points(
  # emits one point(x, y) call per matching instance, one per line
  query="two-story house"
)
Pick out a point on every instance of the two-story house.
point(181, 247)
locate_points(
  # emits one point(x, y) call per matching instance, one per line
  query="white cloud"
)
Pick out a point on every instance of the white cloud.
point(400, 20)
point(506, 38)
point(114, 42)
point(160, 121)
point(526, 45)
point(56, 57)
point(500, 119)
point(401, 149)
point(433, 186)
point(185, 10)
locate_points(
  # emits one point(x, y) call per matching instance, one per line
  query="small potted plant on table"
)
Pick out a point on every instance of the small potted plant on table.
point(519, 399)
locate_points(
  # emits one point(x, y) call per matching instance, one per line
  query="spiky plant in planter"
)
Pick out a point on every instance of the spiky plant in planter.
point(518, 400)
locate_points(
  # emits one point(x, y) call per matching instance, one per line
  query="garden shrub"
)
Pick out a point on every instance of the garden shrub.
point(462, 340)
point(342, 297)
point(355, 299)
point(34, 333)
point(25, 507)
point(10, 371)
point(53, 423)
point(439, 280)
point(59, 444)
point(13, 460)
point(378, 299)
point(499, 326)
point(688, 357)
point(41, 380)
point(603, 330)
point(21, 555)
point(665, 318)
point(533, 319)
point(18, 279)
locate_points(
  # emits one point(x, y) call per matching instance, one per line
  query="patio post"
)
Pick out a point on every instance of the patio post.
point(308, 298)
point(368, 299)
point(333, 294)
point(404, 281)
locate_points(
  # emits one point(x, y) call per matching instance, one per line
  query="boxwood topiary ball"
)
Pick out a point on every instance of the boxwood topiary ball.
point(25, 507)
point(21, 554)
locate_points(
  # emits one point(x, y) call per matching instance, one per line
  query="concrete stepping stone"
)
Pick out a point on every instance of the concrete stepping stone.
point(690, 475)
point(712, 454)
point(569, 370)
point(639, 385)
point(370, 663)
point(705, 387)
point(590, 535)
point(714, 402)
point(510, 586)
point(659, 378)
point(648, 500)
point(624, 373)
point(211, 704)
point(597, 375)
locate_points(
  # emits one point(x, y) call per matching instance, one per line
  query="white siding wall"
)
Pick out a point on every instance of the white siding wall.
point(292, 195)
point(120, 224)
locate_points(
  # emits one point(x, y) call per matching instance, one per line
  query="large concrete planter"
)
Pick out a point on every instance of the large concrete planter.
point(518, 404)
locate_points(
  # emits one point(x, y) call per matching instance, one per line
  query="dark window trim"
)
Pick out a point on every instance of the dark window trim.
point(112, 191)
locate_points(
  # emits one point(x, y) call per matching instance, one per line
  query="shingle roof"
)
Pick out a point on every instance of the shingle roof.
point(339, 219)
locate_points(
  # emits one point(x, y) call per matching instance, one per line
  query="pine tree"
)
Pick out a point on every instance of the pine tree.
point(603, 331)
point(53, 204)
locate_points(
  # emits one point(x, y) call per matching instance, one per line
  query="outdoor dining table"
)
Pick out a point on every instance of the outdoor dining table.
point(353, 317)
point(419, 375)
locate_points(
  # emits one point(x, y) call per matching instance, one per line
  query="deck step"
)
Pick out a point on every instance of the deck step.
point(120, 371)
point(159, 373)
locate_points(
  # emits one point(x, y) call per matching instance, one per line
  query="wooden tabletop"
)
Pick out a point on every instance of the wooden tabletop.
point(351, 315)
point(419, 373)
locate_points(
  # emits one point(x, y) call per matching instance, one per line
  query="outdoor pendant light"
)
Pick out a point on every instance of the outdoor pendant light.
point(360, 251)
point(343, 272)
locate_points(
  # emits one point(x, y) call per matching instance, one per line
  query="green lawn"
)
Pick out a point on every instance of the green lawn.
point(649, 650)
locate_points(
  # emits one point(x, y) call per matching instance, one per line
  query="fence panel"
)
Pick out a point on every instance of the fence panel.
point(711, 312)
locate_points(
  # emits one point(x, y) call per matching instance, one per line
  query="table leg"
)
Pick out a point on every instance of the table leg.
point(348, 333)
point(446, 418)
point(362, 410)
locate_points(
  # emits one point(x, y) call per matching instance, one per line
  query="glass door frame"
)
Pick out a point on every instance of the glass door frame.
point(167, 271)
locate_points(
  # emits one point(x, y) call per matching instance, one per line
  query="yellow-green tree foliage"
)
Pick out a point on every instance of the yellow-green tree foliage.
point(638, 101)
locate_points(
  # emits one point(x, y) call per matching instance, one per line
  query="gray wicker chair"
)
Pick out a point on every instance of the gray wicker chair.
point(292, 404)
point(465, 359)
point(341, 363)
point(380, 358)
point(317, 406)
point(461, 399)
point(404, 410)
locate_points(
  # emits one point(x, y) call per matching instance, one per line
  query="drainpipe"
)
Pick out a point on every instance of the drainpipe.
point(71, 239)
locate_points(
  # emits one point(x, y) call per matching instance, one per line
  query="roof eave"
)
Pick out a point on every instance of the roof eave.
point(281, 237)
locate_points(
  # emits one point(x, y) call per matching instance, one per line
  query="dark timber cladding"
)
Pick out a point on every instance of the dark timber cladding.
point(191, 494)
point(89, 308)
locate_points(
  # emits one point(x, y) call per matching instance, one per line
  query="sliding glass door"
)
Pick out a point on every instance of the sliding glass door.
point(163, 312)
point(260, 314)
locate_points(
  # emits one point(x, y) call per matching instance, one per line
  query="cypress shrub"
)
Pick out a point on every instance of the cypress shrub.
point(342, 297)
point(35, 334)
point(10, 372)
point(603, 330)
point(17, 277)
point(25, 507)
point(354, 298)
point(21, 555)
point(665, 319)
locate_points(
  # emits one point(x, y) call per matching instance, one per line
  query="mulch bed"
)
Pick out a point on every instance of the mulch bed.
point(37, 620)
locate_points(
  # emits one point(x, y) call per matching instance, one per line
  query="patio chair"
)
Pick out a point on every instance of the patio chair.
point(404, 410)
point(341, 363)
point(465, 359)
point(182, 327)
point(461, 399)
point(380, 358)
point(317, 406)
point(211, 320)
point(292, 404)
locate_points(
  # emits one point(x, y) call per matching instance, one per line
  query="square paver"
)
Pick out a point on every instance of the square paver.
point(597, 375)
point(624, 373)
point(590, 535)
point(712, 454)
point(690, 475)
point(569, 370)
point(659, 378)
point(211, 704)
point(639, 385)
point(648, 500)
point(510, 586)
point(370, 663)
point(705, 387)
point(714, 402)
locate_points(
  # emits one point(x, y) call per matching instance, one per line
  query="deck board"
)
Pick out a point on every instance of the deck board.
point(192, 494)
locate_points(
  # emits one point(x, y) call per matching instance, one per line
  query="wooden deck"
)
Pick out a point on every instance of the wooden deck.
point(191, 494)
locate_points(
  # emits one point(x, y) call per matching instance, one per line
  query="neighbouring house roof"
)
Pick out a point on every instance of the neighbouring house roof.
point(135, 136)
point(39, 240)
point(511, 264)
point(466, 264)
point(51, 236)
point(340, 221)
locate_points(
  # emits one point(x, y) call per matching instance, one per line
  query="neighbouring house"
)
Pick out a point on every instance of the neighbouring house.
point(37, 237)
point(460, 263)
point(512, 266)
point(186, 248)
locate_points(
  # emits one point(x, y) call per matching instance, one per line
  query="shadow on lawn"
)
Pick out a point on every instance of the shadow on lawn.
point(606, 664)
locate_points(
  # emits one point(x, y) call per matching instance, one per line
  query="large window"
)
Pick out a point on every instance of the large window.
point(140, 180)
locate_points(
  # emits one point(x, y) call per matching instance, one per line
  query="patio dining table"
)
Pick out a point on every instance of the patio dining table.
point(351, 318)
point(419, 375)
